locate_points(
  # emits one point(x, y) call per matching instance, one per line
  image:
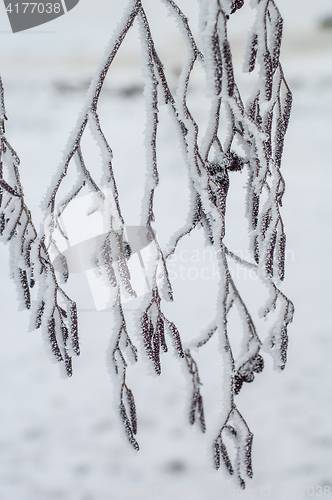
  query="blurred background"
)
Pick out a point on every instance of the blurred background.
point(62, 438)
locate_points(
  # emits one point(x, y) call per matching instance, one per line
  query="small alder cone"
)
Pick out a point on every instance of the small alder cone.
point(237, 4)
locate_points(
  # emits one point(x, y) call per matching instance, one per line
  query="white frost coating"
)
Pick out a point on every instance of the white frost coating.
point(209, 25)
point(151, 104)
point(201, 182)
point(275, 344)
point(226, 5)
point(247, 51)
point(250, 348)
point(188, 223)
point(11, 213)
point(105, 152)
point(211, 127)
point(10, 164)
point(182, 92)
point(209, 191)
point(92, 92)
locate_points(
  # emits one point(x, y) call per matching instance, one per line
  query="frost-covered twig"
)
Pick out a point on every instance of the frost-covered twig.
point(210, 179)
point(153, 326)
point(237, 429)
point(112, 256)
point(16, 225)
point(209, 165)
point(56, 312)
point(127, 404)
point(196, 405)
point(259, 127)
point(89, 118)
point(30, 260)
point(277, 340)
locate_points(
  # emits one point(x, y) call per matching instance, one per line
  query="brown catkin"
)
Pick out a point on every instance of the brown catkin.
point(270, 254)
point(201, 412)
point(161, 332)
point(277, 43)
point(193, 404)
point(132, 410)
point(287, 108)
point(229, 67)
point(218, 71)
point(248, 454)
point(25, 288)
point(52, 338)
point(39, 315)
point(216, 454)
point(226, 458)
point(74, 328)
point(268, 75)
point(281, 256)
point(176, 339)
point(253, 53)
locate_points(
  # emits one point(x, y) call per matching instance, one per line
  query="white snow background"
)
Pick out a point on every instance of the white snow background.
point(62, 438)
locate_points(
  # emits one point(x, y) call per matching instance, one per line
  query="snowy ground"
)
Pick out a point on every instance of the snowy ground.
point(61, 438)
